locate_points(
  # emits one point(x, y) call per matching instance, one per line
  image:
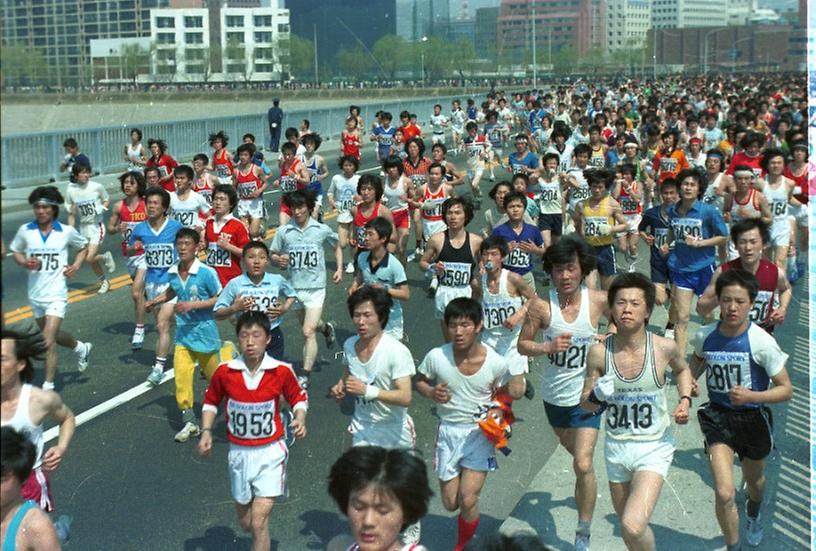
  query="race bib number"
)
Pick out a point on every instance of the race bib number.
point(49, 260)
point(779, 208)
point(361, 239)
point(687, 227)
point(597, 161)
point(206, 194)
point(261, 300)
point(386, 139)
point(592, 225)
point(418, 180)
point(580, 194)
point(661, 236)
point(629, 205)
point(246, 190)
point(218, 257)
point(517, 168)
point(762, 307)
point(432, 208)
point(474, 150)
point(128, 231)
point(184, 217)
point(518, 259)
point(633, 416)
point(222, 171)
point(668, 164)
point(725, 370)
point(303, 256)
point(162, 171)
point(457, 274)
point(549, 193)
point(86, 209)
point(251, 420)
point(159, 255)
point(573, 357)
point(288, 183)
point(495, 314)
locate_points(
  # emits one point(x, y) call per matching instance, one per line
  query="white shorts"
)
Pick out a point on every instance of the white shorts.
point(632, 223)
point(257, 471)
point(800, 214)
point(94, 233)
point(395, 328)
point(251, 208)
point(388, 437)
point(462, 447)
point(508, 349)
point(432, 227)
point(457, 130)
point(626, 457)
point(310, 298)
point(344, 217)
point(444, 295)
point(474, 173)
point(135, 263)
point(780, 233)
point(437, 138)
point(55, 308)
point(152, 290)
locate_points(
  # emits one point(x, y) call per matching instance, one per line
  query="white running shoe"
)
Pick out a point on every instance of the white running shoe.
point(188, 431)
point(433, 286)
point(137, 341)
point(155, 376)
point(753, 530)
point(109, 262)
point(350, 268)
point(411, 534)
point(83, 356)
point(303, 381)
point(669, 334)
point(581, 542)
point(331, 338)
point(104, 287)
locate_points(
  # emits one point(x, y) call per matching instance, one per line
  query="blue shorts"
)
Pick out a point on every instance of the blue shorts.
point(552, 222)
point(605, 259)
point(659, 267)
point(693, 281)
point(571, 417)
point(275, 348)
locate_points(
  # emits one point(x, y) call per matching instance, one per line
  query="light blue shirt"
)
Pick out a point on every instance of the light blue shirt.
point(196, 330)
point(159, 246)
point(389, 273)
point(266, 294)
point(307, 262)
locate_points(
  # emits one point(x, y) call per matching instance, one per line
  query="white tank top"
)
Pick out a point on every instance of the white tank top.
point(393, 197)
point(710, 196)
point(749, 205)
point(497, 308)
point(562, 379)
point(135, 155)
point(21, 422)
point(637, 409)
point(778, 201)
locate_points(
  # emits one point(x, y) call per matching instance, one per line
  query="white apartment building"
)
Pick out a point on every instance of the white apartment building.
point(250, 46)
point(627, 22)
point(741, 11)
point(672, 14)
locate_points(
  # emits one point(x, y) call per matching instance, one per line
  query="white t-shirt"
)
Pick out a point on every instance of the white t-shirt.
point(470, 395)
point(186, 212)
point(438, 123)
point(342, 190)
point(88, 200)
point(391, 360)
point(48, 283)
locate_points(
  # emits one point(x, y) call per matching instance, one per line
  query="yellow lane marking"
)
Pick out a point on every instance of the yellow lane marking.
point(117, 282)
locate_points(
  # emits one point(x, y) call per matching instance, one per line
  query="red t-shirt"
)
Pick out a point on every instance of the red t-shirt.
point(410, 131)
point(767, 276)
point(253, 417)
point(351, 145)
point(166, 165)
point(225, 264)
point(743, 158)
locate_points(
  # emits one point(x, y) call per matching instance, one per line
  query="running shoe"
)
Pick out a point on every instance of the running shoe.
point(109, 262)
point(48, 385)
point(350, 268)
point(155, 376)
point(753, 530)
point(529, 389)
point(83, 357)
point(303, 381)
point(581, 542)
point(288, 435)
point(63, 528)
point(104, 287)
point(411, 534)
point(669, 334)
point(433, 286)
point(331, 338)
point(189, 430)
point(137, 341)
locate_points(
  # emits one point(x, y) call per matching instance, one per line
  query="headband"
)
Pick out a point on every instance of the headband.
point(742, 173)
point(45, 201)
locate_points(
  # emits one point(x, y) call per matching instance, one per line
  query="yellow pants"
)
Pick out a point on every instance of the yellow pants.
point(184, 364)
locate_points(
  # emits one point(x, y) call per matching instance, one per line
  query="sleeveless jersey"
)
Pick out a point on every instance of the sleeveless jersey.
point(432, 203)
point(550, 196)
point(203, 186)
point(360, 220)
point(351, 145)
point(768, 278)
point(21, 422)
point(629, 205)
point(593, 218)
point(562, 379)
point(497, 308)
point(710, 196)
point(135, 155)
point(247, 184)
point(315, 185)
point(188, 212)
point(458, 263)
point(223, 167)
point(597, 157)
point(637, 409)
point(778, 201)
point(417, 173)
point(288, 179)
point(798, 181)
point(394, 197)
point(131, 218)
point(475, 147)
point(750, 204)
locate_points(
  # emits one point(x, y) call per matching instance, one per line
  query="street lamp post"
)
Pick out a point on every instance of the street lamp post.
point(705, 48)
point(422, 58)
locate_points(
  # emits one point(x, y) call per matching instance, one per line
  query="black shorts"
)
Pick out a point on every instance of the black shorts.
point(552, 222)
point(659, 268)
point(748, 432)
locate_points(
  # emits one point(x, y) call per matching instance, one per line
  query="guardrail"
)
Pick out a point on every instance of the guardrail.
point(34, 158)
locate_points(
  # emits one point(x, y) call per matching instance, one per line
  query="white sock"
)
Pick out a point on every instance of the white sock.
point(79, 347)
point(48, 385)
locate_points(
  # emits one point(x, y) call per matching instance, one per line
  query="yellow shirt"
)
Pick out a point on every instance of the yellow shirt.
point(594, 217)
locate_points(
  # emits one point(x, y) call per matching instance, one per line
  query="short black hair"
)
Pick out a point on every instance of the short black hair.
point(582, 149)
point(740, 278)
point(492, 193)
point(691, 173)
point(288, 147)
point(520, 176)
point(418, 141)
point(188, 232)
point(599, 175)
point(349, 159)
point(137, 131)
point(141, 185)
point(17, 454)
point(462, 202)
point(494, 242)
point(747, 224)
point(393, 162)
point(253, 244)
point(632, 280)
point(567, 249)
point(27, 347)
point(299, 198)
point(383, 227)
point(161, 143)
point(312, 137)
point(463, 307)
point(250, 136)
point(220, 135)
point(229, 191)
point(769, 154)
point(290, 133)
point(161, 192)
point(70, 142)
point(184, 170)
point(441, 147)
point(440, 166)
point(247, 148)
point(399, 472)
point(380, 300)
point(371, 180)
point(201, 157)
point(252, 318)
point(49, 194)
point(515, 196)
point(627, 168)
point(76, 168)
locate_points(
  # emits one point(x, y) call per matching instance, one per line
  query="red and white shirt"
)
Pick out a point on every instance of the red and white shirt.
point(222, 166)
point(253, 416)
point(226, 264)
point(132, 218)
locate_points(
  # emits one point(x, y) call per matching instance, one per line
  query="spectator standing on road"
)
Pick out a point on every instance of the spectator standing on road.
point(275, 118)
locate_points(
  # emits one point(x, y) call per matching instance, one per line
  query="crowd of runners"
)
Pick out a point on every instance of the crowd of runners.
point(712, 175)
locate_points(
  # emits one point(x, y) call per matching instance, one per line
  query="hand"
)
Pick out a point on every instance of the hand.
point(52, 458)
point(33, 263)
point(122, 227)
point(274, 312)
point(354, 386)
point(338, 276)
point(604, 387)
point(205, 443)
point(439, 268)
point(243, 303)
point(512, 321)
point(338, 391)
point(649, 239)
point(604, 229)
point(70, 270)
point(777, 316)
point(223, 240)
point(664, 250)
point(183, 307)
point(527, 246)
point(148, 306)
point(695, 389)
point(138, 246)
point(298, 428)
point(441, 394)
point(739, 395)
point(681, 413)
point(283, 261)
point(692, 241)
point(560, 343)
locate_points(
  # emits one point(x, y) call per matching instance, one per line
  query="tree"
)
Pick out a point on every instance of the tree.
point(133, 60)
point(461, 57)
point(298, 54)
point(353, 62)
point(389, 51)
point(564, 59)
point(592, 60)
point(23, 65)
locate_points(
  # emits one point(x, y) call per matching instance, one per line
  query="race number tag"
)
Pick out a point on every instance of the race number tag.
point(573, 357)
point(457, 274)
point(518, 259)
point(687, 227)
point(779, 208)
point(49, 258)
point(251, 420)
point(288, 183)
point(86, 209)
point(725, 370)
point(549, 193)
point(592, 225)
point(761, 308)
point(159, 255)
point(629, 205)
point(184, 217)
point(218, 257)
point(303, 256)
point(418, 180)
point(580, 194)
point(262, 300)
point(246, 190)
point(346, 200)
point(222, 171)
point(496, 313)
point(661, 236)
point(635, 414)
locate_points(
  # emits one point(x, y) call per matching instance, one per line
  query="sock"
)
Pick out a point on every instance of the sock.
point(48, 385)
point(466, 530)
point(140, 327)
point(583, 527)
point(159, 363)
point(752, 508)
point(188, 416)
point(79, 347)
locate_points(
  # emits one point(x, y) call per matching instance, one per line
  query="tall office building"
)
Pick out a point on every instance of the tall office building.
point(671, 14)
point(485, 40)
point(627, 22)
point(62, 30)
point(420, 18)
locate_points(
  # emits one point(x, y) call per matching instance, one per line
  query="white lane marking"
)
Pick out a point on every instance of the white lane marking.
point(108, 405)
point(273, 191)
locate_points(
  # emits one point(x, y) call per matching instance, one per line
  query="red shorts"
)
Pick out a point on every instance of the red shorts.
point(401, 219)
point(37, 489)
point(285, 209)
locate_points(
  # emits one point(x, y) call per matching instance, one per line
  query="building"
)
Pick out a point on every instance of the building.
point(678, 14)
point(485, 33)
point(741, 11)
point(62, 30)
point(558, 24)
point(462, 29)
point(420, 18)
point(627, 23)
point(249, 47)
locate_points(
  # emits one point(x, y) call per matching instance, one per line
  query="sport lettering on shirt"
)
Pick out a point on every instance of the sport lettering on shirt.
point(687, 227)
point(573, 357)
point(456, 274)
point(725, 370)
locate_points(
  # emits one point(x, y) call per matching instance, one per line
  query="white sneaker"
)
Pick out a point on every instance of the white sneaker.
point(189, 430)
point(433, 286)
point(155, 376)
point(669, 334)
point(350, 268)
point(753, 530)
point(104, 287)
point(83, 356)
point(109, 262)
point(303, 381)
point(137, 341)
point(411, 534)
point(581, 542)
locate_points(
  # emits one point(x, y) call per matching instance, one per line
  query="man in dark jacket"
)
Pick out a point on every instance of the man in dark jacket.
point(275, 116)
